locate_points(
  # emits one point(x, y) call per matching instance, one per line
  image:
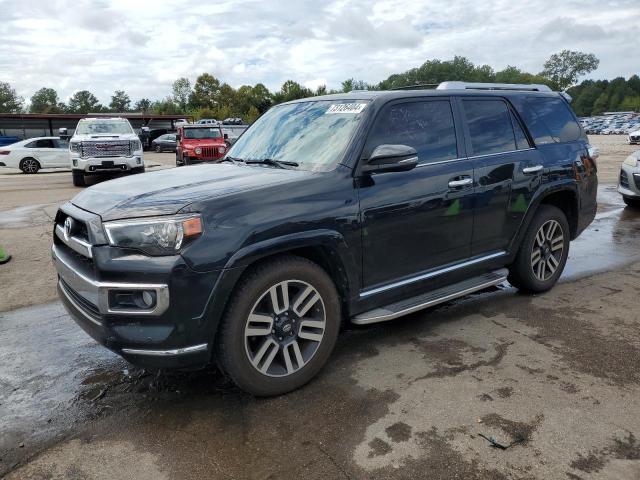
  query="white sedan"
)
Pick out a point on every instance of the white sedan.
point(35, 153)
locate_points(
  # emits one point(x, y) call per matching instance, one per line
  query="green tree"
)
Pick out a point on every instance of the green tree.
point(165, 107)
point(143, 105)
point(566, 67)
point(84, 102)
point(205, 92)
point(291, 90)
point(120, 101)
point(10, 101)
point(46, 100)
point(181, 89)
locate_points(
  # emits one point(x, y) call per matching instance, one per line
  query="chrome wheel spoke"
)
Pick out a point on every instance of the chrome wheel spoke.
point(307, 299)
point(552, 263)
point(540, 237)
point(311, 330)
point(557, 243)
point(258, 325)
point(279, 297)
point(267, 352)
point(535, 257)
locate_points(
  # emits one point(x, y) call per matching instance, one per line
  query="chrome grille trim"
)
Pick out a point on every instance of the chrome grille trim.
point(75, 243)
point(105, 149)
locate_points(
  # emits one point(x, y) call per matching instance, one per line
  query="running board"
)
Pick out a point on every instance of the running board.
point(432, 298)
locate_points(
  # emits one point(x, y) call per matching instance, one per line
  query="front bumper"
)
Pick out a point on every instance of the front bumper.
point(629, 181)
point(176, 331)
point(107, 164)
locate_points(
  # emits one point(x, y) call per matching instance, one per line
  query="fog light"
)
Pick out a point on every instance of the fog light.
point(75, 162)
point(132, 299)
point(138, 160)
point(148, 298)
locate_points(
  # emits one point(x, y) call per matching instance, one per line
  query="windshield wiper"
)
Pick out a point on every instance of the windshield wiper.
point(274, 163)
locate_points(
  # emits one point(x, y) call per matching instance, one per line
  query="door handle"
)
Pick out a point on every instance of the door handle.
point(463, 182)
point(530, 170)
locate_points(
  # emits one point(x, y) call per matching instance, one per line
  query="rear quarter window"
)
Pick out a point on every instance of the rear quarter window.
point(550, 120)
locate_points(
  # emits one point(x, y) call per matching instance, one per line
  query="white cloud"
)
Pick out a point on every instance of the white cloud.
point(141, 47)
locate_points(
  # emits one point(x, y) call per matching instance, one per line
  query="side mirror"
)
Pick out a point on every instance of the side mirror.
point(391, 158)
point(226, 136)
point(63, 132)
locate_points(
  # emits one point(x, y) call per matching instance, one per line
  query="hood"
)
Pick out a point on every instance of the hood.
point(104, 136)
point(202, 142)
point(165, 192)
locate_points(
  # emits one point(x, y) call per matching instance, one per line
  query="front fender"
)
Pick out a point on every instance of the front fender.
point(330, 241)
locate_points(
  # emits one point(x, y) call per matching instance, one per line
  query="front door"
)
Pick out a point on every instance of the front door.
point(422, 219)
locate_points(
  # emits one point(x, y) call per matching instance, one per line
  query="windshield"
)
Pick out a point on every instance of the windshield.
point(113, 127)
point(312, 134)
point(202, 133)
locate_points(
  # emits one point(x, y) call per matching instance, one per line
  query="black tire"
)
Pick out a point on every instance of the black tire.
point(178, 162)
point(78, 178)
point(158, 149)
point(632, 202)
point(536, 277)
point(185, 160)
point(137, 170)
point(29, 165)
point(232, 346)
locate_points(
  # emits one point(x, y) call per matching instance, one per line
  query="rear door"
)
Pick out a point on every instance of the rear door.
point(507, 170)
point(422, 219)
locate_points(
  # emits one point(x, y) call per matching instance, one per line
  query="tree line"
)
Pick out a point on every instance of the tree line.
point(209, 97)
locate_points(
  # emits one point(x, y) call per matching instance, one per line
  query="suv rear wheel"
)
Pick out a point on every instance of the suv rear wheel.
point(543, 252)
point(280, 326)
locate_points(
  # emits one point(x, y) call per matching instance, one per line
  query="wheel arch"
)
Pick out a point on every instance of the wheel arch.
point(326, 248)
point(563, 195)
point(30, 157)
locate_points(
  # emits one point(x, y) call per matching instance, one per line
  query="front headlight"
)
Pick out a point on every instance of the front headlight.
point(136, 145)
point(74, 147)
point(155, 235)
point(632, 161)
point(198, 150)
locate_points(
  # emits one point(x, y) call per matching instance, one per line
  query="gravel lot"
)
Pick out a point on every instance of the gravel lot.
point(558, 373)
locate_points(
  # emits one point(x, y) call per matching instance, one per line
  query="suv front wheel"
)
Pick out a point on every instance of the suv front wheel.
point(543, 252)
point(280, 326)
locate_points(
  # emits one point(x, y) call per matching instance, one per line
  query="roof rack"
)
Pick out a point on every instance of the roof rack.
point(493, 86)
point(418, 86)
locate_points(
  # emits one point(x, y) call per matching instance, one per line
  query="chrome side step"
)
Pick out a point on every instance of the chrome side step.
point(441, 295)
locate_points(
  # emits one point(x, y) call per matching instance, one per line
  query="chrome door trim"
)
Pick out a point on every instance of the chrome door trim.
point(167, 353)
point(500, 153)
point(434, 273)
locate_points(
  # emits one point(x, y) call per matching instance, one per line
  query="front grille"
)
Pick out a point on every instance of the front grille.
point(81, 231)
point(88, 307)
point(634, 138)
point(77, 257)
point(624, 179)
point(105, 149)
point(209, 152)
point(636, 180)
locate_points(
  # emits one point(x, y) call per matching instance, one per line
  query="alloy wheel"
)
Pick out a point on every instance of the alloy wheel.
point(30, 165)
point(548, 246)
point(285, 328)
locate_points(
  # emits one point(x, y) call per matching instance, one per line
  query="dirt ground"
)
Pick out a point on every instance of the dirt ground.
point(556, 376)
point(29, 202)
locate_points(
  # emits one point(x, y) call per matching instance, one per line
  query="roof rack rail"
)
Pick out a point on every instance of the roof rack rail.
point(532, 87)
point(418, 86)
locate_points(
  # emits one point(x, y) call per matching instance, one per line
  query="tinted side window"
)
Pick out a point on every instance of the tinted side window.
point(62, 144)
point(46, 143)
point(521, 139)
point(426, 126)
point(489, 126)
point(31, 145)
point(550, 120)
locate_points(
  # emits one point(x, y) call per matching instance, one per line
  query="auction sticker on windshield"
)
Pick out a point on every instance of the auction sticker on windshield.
point(346, 108)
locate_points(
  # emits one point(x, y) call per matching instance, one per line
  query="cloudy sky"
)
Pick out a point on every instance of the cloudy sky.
point(142, 46)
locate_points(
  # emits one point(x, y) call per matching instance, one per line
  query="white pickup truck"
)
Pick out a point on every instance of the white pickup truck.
point(104, 145)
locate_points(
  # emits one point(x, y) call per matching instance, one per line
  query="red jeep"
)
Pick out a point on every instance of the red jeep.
point(199, 143)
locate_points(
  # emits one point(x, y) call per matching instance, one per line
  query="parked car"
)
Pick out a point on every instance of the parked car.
point(180, 123)
point(199, 143)
point(363, 206)
point(35, 153)
point(233, 121)
point(8, 140)
point(104, 145)
point(165, 143)
point(629, 180)
point(207, 121)
point(634, 137)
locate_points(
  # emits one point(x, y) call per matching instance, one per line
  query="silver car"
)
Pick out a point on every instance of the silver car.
point(629, 185)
